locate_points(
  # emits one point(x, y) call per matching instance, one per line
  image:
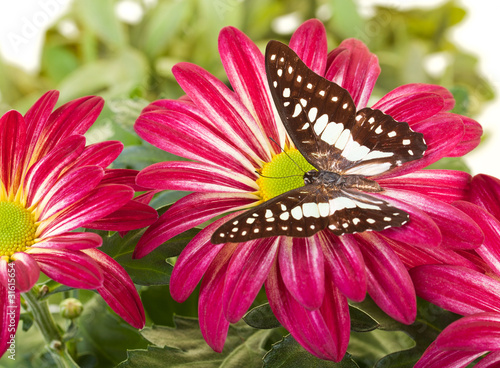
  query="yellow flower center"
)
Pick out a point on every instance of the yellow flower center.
point(285, 172)
point(17, 228)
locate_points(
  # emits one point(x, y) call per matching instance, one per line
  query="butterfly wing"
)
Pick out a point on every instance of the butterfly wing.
point(321, 120)
point(304, 211)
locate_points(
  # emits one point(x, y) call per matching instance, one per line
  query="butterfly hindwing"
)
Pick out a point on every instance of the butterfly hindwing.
point(304, 211)
point(320, 118)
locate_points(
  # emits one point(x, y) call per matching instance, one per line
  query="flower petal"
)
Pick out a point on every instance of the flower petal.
point(389, 284)
point(194, 261)
point(213, 324)
point(220, 105)
point(415, 102)
point(12, 148)
point(26, 270)
point(490, 361)
point(309, 42)
point(184, 136)
point(489, 251)
point(194, 176)
point(302, 268)
point(479, 332)
point(100, 202)
point(484, 192)
point(352, 66)
point(37, 116)
point(244, 66)
point(457, 289)
point(458, 230)
point(323, 332)
point(101, 154)
point(72, 240)
point(118, 290)
point(68, 267)
point(471, 138)
point(246, 273)
point(68, 189)
point(437, 358)
point(445, 185)
point(344, 264)
point(44, 174)
point(188, 212)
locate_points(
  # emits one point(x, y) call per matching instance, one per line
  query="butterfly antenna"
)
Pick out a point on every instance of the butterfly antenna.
point(282, 150)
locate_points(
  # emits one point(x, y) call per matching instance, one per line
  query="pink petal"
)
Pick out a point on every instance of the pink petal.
point(184, 136)
point(484, 192)
point(471, 138)
point(309, 42)
point(220, 106)
point(344, 264)
point(68, 267)
point(352, 66)
point(246, 273)
point(479, 332)
point(302, 268)
point(100, 202)
point(37, 116)
point(194, 176)
point(118, 290)
point(194, 261)
point(72, 241)
point(415, 102)
point(44, 174)
point(187, 213)
point(490, 361)
point(389, 284)
point(10, 309)
point(69, 188)
point(101, 154)
point(26, 271)
point(72, 118)
point(12, 149)
point(457, 289)
point(458, 230)
point(323, 332)
point(437, 358)
point(445, 185)
point(489, 251)
point(213, 324)
point(244, 66)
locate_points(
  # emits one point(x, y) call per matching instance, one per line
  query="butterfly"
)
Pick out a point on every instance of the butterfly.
point(346, 148)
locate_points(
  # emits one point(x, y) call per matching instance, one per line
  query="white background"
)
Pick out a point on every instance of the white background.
point(23, 23)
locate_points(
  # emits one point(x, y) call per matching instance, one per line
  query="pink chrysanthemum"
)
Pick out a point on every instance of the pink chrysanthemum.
point(51, 184)
point(227, 133)
point(474, 293)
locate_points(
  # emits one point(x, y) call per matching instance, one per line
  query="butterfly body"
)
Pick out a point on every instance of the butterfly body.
point(346, 147)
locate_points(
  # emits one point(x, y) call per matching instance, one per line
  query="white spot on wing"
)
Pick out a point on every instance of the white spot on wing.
point(303, 102)
point(305, 126)
point(285, 216)
point(286, 92)
point(379, 130)
point(406, 142)
point(268, 214)
point(297, 110)
point(273, 57)
point(392, 134)
point(309, 85)
point(369, 169)
point(343, 139)
point(340, 203)
point(320, 124)
point(275, 84)
point(250, 220)
point(299, 78)
point(332, 132)
point(356, 221)
point(312, 114)
point(354, 151)
point(324, 209)
point(290, 69)
point(310, 210)
point(297, 213)
point(279, 72)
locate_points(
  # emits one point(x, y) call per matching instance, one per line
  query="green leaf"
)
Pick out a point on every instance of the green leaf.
point(361, 321)
point(345, 21)
point(462, 101)
point(450, 163)
point(184, 346)
point(100, 17)
point(105, 335)
point(152, 269)
point(289, 353)
point(261, 317)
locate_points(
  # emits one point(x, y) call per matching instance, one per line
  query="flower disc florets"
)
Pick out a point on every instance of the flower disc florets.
point(283, 173)
point(17, 228)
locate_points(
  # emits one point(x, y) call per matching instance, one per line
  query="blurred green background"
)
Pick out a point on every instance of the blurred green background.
point(91, 50)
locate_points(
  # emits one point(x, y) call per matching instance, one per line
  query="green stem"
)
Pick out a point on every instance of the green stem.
point(49, 330)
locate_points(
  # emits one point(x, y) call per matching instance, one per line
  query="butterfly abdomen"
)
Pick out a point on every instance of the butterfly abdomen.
point(336, 181)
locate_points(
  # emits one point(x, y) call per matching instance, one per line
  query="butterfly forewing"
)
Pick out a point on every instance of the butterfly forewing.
point(320, 118)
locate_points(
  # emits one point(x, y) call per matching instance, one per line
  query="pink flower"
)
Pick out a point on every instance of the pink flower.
point(308, 280)
point(51, 184)
point(474, 293)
